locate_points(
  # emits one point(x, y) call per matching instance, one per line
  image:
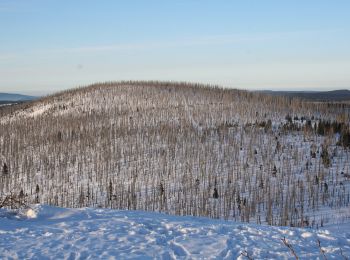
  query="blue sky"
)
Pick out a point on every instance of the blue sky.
point(48, 45)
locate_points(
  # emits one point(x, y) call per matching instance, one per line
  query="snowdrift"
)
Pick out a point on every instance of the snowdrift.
point(57, 233)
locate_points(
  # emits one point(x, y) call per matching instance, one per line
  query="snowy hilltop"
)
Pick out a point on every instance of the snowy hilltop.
point(45, 232)
point(182, 149)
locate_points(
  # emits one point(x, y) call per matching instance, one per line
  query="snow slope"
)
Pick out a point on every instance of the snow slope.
point(57, 233)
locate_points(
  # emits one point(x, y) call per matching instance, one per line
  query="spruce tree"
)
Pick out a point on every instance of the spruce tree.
point(5, 169)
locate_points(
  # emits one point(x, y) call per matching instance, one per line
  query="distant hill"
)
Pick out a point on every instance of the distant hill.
point(15, 97)
point(8, 98)
point(334, 95)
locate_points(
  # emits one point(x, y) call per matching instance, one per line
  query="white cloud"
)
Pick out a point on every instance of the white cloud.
point(211, 40)
point(198, 41)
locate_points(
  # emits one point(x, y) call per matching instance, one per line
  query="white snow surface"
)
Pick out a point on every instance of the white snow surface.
point(56, 233)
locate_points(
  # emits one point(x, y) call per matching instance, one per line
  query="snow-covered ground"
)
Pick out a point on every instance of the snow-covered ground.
point(56, 233)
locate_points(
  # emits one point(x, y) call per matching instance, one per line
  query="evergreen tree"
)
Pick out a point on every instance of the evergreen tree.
point(321, 128)
point(216, 193)
point(5, 169)
point(37, 190)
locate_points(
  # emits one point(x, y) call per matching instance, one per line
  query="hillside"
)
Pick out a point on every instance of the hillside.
point(334, 95)
point(181, 149)
point(56, 233)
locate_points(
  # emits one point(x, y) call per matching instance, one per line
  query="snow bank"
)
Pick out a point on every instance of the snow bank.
point(56, 233)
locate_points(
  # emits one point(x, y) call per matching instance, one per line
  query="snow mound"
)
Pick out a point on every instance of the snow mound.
point(57, 233)
point(30, 213)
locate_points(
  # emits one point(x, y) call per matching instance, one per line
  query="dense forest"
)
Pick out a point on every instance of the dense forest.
point(183, 149)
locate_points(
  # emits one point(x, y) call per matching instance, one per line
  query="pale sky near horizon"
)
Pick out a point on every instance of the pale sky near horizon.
point(48, 45)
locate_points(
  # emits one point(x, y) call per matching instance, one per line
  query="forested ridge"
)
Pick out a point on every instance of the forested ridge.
point(183, 149)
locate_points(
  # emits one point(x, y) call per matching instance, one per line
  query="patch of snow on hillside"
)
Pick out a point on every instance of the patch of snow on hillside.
point(57, 233)
point(37, 111)
point(32, 112)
